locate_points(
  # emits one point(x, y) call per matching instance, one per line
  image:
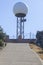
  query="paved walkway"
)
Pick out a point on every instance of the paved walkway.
point(18, 54)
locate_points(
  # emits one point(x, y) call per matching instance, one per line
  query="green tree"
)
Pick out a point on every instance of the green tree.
point(1, 32)
point(2, 36)
point(39, 37)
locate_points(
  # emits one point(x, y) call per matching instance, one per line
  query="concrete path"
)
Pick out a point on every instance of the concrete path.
point(18, 54)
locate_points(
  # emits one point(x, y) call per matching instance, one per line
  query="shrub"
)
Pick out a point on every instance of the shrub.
point(1, 43)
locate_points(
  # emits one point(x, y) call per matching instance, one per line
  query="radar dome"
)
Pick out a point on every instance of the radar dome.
point(20, 9)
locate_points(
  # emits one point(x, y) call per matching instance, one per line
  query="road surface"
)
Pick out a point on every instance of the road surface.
point(18, 54)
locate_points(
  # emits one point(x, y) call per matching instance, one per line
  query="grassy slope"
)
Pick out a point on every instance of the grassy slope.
point(37, 49)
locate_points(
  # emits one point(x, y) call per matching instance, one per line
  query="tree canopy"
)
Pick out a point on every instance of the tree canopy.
point(2, 34)
point(39, 37)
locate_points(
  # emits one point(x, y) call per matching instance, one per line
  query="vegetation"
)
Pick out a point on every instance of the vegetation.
point(1, 43)
point(37, 49)
point(2, 36)
point(38, 45)
point(39, 38)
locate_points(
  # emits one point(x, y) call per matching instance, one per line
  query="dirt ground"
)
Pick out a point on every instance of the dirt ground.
point(37, 49)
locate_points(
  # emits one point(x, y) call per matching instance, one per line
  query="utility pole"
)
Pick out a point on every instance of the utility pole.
point(30, 35)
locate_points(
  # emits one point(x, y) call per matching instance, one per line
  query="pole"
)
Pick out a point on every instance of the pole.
point(17, 29)
point(20, 26)
point(30, 35)
point(23, 29)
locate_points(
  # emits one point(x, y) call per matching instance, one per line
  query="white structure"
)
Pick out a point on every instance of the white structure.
point(20, 10)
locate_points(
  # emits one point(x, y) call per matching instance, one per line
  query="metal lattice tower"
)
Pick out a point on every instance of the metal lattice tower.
point(20, 27)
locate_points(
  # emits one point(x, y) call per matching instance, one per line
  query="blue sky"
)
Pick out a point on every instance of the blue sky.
point(34, 17)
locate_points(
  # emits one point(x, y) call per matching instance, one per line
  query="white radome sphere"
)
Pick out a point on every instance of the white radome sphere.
point(20, 8)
